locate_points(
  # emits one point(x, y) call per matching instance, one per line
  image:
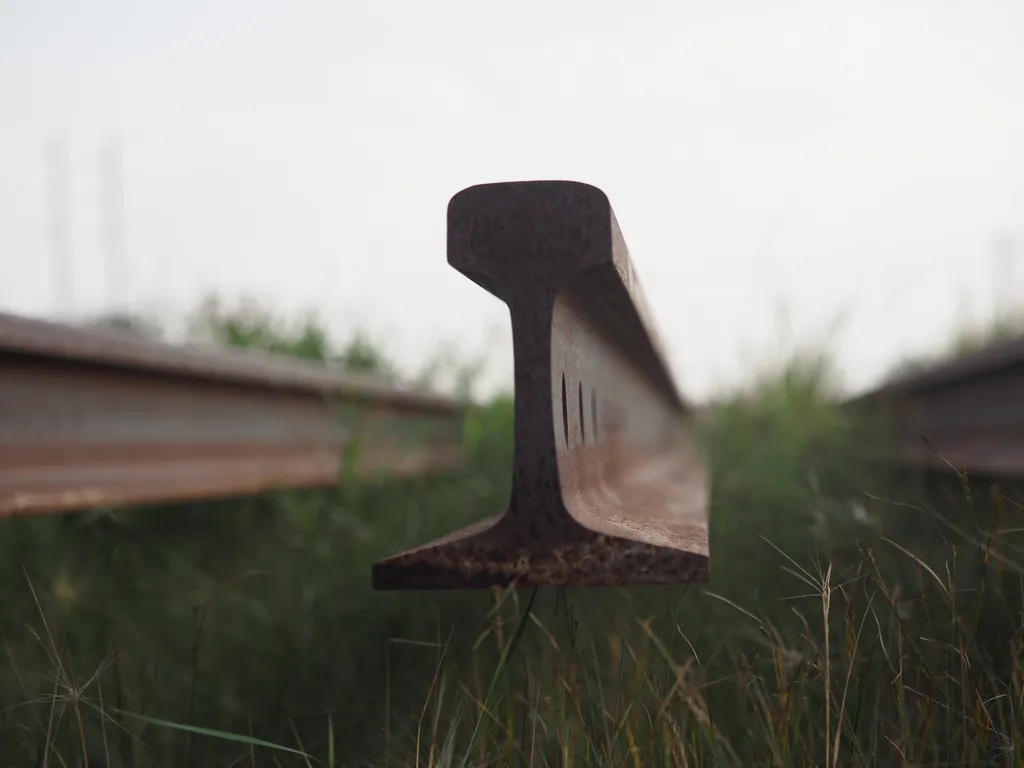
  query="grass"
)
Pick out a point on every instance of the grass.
point(854, 617)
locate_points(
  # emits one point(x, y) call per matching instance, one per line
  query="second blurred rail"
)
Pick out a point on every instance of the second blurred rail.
point(966, 414)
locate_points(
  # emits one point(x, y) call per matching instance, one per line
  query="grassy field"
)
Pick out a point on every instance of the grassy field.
point(854, 617)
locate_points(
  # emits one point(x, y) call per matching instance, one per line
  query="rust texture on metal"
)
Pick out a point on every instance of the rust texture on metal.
point(608, 488)
point(93, 418)
point(968, 413)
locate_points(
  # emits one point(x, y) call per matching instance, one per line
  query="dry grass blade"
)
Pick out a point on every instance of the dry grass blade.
point(920, 562)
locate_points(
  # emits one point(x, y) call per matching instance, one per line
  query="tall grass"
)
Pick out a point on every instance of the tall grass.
point(854, 617)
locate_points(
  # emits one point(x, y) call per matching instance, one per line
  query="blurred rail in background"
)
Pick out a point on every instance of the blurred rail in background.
point(95, 417)
point(968, 413)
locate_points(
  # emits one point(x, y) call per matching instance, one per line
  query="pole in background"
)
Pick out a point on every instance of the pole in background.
point(1003, 271)
point(58, 223)
point(115, 256)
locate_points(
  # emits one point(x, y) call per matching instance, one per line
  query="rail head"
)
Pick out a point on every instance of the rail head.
point(608, 487)
point(115, 349)
point(988, 361)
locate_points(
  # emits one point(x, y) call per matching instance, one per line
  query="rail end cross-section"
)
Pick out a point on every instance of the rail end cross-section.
point(608, 486)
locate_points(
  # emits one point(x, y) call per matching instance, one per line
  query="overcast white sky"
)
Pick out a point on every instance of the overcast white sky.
point(851, 158)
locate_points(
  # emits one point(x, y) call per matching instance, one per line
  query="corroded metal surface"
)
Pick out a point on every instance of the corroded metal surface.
point(608, 488)
point(97, 418)
point(966, 414)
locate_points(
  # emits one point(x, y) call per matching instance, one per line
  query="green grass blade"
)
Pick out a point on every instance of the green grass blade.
point(199, 730)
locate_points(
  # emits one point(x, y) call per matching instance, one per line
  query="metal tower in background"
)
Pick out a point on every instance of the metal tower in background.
point(58, 221)
point(115, 255)
point(1003, 249)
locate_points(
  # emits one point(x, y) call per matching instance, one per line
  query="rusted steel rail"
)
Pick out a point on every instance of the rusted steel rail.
point(968, 413)
point(94, 418)
point(608, 488)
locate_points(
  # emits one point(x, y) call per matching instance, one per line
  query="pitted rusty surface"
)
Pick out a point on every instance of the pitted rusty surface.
point(591, 560)
point(608, 488)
